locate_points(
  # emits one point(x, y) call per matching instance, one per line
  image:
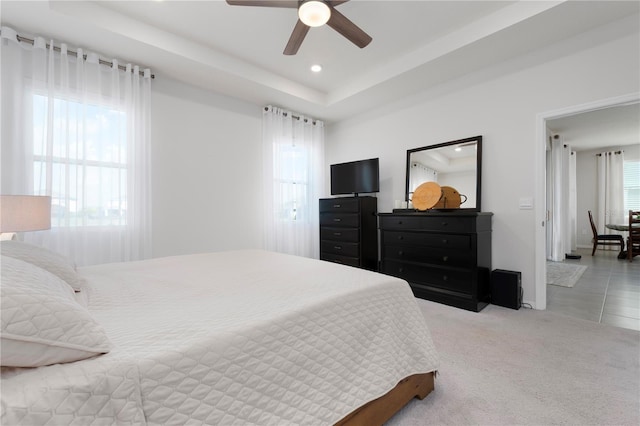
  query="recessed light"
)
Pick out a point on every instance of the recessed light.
point(316, 68)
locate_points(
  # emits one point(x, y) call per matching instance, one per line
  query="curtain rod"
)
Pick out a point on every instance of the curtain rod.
point(615, 152)
point(74, 53)
point(306, 120)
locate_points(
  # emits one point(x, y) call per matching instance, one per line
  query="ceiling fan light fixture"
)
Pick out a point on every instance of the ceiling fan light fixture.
point(314, 13)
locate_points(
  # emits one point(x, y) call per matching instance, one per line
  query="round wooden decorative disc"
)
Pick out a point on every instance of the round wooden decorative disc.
point(450, 199)
point(426, 195)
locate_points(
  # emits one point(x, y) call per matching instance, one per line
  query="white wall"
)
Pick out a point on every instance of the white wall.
point(207, 155)
point(586, 183)
point(206, 170)
point(501, 104)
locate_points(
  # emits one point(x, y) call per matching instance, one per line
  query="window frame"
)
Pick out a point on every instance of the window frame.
point(120, 167)
point(298, 213)
point(631, 170)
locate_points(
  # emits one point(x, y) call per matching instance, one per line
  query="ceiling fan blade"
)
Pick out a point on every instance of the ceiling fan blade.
point(336, 2)
point(351, 31)
point(298, 34)
point(264, 3)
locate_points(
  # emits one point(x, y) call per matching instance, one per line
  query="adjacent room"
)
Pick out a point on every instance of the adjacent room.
point(320, 212)
point(590, 270)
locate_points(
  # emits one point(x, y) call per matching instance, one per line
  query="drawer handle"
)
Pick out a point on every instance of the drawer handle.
point(445, 258)
point(337, 219)
point(400, 237)
point(444, 278)
point(337, 247)
point(336, 206)
point(337, 234)
point(445, 241)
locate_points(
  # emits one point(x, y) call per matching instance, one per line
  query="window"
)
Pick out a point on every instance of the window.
point(292, 182)
point(87, 172)
point(77, 128)
point(631, 185)
point(293, 163)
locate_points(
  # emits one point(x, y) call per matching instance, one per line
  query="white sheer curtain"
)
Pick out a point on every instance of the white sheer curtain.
point(293, 170)
point(572, 231)
point(610, 192)
point(562, 187)
point(78, 131)
point(421, 174)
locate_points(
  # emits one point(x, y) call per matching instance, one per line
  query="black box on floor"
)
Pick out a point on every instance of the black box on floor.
point(506, 288)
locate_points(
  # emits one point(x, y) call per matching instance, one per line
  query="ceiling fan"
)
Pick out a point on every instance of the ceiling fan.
point(313, 13)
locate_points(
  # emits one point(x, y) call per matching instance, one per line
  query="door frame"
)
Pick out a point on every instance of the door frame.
point(540, 164)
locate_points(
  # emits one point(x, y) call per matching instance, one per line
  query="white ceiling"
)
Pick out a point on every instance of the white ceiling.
point(608, 127)
point(237, 51)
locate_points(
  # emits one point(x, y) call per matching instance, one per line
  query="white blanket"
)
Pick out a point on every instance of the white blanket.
point(244, 337)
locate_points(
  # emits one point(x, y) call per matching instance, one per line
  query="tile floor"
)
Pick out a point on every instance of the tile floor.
point(608, 292)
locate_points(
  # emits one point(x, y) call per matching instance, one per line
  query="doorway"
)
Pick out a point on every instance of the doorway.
point(540, 301)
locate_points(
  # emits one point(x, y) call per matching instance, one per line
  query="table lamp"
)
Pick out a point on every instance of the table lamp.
point(19, 213)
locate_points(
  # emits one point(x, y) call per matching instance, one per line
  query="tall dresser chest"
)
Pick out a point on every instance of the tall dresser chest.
point(445, 256)
point(349, 231)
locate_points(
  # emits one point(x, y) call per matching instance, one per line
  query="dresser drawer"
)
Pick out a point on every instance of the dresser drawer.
point(345, 260)
point(456, 280)
point(337, 205)
point(340, 219)
point(349, 235)
point(427, 239)
point(445, 257)
point(426, 223)
point(343, 249)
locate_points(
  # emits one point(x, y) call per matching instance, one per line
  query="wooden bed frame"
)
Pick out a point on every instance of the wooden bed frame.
point(380, 410)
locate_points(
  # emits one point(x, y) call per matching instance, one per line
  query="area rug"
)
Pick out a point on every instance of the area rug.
point(564, 274)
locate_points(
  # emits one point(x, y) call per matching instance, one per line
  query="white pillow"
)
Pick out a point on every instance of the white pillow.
point(45, 259)
point(42, 324)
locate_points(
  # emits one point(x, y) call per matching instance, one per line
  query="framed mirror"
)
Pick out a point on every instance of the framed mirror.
point(455, 164)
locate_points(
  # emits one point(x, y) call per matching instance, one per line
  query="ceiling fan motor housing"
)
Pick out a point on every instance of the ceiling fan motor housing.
point(314, 13)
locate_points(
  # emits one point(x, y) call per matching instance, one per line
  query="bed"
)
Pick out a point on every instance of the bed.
point(238, 337)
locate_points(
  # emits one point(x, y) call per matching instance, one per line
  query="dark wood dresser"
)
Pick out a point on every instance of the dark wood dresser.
point(445, 256)
point(349, 231)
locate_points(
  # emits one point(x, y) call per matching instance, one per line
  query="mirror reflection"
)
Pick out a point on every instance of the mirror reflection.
point(454, 164)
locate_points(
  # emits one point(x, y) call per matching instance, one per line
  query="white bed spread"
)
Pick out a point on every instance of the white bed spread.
point(241, 337)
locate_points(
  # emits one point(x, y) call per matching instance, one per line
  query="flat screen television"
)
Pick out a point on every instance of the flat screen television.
point(355, 177)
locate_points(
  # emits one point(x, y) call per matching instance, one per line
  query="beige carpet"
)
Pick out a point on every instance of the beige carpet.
point(564, 274)
point(527, 367)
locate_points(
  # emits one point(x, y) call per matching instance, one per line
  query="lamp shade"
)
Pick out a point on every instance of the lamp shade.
point(314, 13)
point(24, 213)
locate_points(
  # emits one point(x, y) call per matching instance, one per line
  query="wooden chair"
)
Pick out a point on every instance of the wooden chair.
point(604, 239)
point(633, 241)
